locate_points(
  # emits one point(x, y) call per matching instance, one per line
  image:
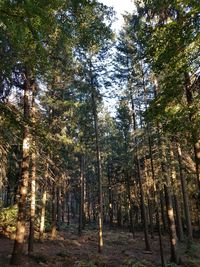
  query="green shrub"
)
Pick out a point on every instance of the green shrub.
point(8, 219)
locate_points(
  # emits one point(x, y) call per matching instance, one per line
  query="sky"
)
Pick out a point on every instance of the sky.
point(120, 6)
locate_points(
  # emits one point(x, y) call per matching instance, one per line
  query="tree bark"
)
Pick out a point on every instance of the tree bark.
point(185, 195)
point(98, 157)
point(33, 191)
point(81, 204)
point(144, 217)
point(33, 175)
point(23, 187)
point(169, 205)
point(53, 222)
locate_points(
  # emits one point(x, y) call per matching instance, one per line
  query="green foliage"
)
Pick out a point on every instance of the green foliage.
point(8, 218)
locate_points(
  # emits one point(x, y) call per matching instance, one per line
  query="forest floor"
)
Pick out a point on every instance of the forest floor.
point(120, 250)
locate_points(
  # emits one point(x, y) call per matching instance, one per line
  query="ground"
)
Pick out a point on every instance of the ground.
point(120, 250)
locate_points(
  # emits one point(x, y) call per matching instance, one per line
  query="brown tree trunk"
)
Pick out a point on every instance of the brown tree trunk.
point(43, 211)
point(130, 209)
point(110, 197)
point(33, 191)
point(178, 219)
point(175, 186)
point(59, 206)
point(33, 175)
point(43, 206)
point(169, 206)
point(98, 157)
point(144, 217)
point(163, 215)
point(185, 196)
point(194, 131)
point(160, 239)
point(81, 204)
point(23, 187)
point(53, 222)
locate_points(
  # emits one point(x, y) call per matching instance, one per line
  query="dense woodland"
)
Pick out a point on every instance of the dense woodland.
point(68, 163)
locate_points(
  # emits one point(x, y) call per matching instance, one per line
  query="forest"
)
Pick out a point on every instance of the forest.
point(99, 134)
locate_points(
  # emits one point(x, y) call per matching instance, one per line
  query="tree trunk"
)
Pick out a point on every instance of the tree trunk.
point(194, 131)
point(143, 212)
point(59, 207)
point(53, 222)
point(81, 204)
point(175, 186)
point(169, 205)
point(33, 190)
point(98, 157)
point(110, 197)
point(130, 209)
point(43, 211)
point(23, 187)
point(185, 196)
point(33, 176)
point(164, 219)
point(178, 218)
point(160, 239)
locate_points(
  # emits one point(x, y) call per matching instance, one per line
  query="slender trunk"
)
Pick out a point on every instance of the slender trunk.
point(164, 219)
point(150, 207)
point(68, 208)
point(172, 226)
point(175, 192)
point(33, 176)
point(130, 210)
point(178, 218)
point(98, 157)
point(23, 187)
point(59, 207)
point(43, 206)
point(119, 212)
point(194, 131)
point(160, 239)
point(81, 204)
point(185, 196)
point(32, 215)
point(144, 217)
point(43, 211)
point(110, 198)
point(53, 222)
point(169, 205)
